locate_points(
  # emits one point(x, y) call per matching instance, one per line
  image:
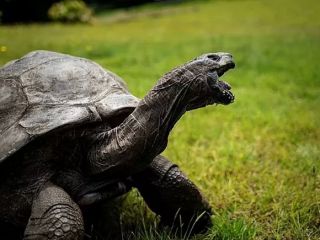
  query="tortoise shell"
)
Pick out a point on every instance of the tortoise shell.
point(44, 91)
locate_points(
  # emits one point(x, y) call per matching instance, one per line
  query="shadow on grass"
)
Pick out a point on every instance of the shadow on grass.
point(137, 222)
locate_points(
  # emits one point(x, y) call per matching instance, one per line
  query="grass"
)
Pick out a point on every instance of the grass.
point(258, 160)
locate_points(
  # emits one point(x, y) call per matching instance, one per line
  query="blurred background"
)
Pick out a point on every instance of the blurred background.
point(13, 11)
point(257, 160)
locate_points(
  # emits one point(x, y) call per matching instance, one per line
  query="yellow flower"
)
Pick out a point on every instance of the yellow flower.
point(3, 48)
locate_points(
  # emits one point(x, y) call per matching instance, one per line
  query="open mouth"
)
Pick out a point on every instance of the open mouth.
point(225, 96)
point(225, 68)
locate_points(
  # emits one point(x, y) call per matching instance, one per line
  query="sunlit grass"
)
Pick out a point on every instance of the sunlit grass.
point(257, 160)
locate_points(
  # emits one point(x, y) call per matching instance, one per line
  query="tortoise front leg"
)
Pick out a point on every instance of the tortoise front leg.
point(54, 215)
point(169, 193)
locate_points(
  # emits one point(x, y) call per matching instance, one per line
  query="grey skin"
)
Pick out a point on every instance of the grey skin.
point(72, 136)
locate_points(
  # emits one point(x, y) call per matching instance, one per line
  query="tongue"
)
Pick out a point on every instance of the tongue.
point(225, 85)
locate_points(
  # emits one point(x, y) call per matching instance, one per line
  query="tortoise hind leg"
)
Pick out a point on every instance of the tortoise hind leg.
point(169, 193)
point(54, 215)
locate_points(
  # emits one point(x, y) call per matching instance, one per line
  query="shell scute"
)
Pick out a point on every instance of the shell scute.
point(44, 91)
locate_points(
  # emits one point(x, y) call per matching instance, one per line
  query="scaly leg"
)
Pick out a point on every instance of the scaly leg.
point(54, 215)
point(169, 193)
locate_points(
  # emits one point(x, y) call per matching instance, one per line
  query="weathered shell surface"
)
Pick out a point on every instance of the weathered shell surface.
point(45, 90)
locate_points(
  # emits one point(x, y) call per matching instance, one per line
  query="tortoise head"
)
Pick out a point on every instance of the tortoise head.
point(212, 66)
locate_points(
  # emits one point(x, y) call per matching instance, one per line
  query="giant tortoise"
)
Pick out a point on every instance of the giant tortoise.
point(73, 136)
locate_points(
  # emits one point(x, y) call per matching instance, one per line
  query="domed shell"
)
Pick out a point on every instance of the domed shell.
point(45, 90)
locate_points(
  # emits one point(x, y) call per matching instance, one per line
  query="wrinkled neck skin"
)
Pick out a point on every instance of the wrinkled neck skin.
point(130, 147)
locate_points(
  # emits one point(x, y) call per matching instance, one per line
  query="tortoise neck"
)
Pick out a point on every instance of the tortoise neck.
point(143, 135)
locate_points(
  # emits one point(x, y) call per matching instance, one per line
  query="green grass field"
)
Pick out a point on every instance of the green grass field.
point(257, 160)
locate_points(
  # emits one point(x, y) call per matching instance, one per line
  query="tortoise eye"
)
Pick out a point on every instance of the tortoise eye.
point(214, 57)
